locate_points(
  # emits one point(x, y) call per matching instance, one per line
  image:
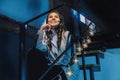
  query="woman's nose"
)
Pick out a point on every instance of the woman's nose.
point(53, 18)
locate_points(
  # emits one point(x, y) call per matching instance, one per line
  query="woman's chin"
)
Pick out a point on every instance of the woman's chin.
point(54, 26)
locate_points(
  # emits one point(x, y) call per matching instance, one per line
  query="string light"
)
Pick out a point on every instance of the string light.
point(84, 45)
point(75, 60)
point(79, 48)
point(88, 41)
point(69, 72)
point(91, 33)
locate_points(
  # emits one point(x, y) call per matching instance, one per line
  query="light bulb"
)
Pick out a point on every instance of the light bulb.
point(88, 41)
point(85, 45)
point(69, 73)
point(75, 60)
point(79, 48)
point(91, 33)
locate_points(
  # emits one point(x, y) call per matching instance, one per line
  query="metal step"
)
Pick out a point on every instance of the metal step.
point(93, 67)
point(92, 53)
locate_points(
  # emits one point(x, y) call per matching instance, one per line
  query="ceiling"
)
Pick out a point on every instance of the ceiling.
point(106, 16)
point(108, 11)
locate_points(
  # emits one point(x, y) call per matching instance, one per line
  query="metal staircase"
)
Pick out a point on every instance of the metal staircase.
point(92, 67)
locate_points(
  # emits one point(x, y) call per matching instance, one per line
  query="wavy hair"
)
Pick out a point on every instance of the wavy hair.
point(60, 29)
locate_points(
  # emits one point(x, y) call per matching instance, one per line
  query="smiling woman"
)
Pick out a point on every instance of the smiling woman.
point(53, 39)
point(53, 19)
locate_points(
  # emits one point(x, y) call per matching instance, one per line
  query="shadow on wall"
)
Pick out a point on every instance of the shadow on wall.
point(8, 61)
point(9, 54)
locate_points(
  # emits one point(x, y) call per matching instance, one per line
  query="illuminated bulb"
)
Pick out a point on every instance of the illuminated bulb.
point(69, 73)
point(91, 33)
point(26, 26)
point(75, 60)
point(88, 40)
point(79, 48)
point(85, 45)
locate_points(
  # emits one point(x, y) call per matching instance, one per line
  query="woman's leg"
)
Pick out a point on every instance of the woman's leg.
point(55, 73)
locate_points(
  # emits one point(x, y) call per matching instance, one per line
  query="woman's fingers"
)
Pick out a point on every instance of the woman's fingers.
point(46, 27)
point(49, 27)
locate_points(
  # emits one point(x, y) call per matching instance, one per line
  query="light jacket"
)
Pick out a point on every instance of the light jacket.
point(65, 60)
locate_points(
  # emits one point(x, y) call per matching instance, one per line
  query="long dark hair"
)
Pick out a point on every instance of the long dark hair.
point(60, 29)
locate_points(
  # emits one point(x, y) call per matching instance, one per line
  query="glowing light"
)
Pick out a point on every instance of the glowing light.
point(82, 18)
point(26, 26)
point(84, 45)
point(76, 60)
point(91, 33)
point(69, 73)
point(79, 48)
point(88, 41)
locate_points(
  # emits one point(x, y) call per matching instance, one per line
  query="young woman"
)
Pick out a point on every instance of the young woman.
point(52, 40)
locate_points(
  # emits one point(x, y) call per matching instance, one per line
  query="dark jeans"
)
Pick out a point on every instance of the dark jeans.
point(55, 73)
point(37, 65)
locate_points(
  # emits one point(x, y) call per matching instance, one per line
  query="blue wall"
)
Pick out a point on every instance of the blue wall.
point(109, 66)
point(19, 10)
point(23, 10)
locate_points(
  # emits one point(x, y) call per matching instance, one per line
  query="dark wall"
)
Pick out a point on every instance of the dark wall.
point(9, 54)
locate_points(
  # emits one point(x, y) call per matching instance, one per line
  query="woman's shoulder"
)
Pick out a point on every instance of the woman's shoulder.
point(66, 34)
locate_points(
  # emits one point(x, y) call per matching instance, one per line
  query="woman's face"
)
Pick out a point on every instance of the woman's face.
point(53, 19)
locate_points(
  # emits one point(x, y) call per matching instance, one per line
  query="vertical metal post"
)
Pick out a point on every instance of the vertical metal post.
point(21, 52)
point(91, 74)
point(83, 64)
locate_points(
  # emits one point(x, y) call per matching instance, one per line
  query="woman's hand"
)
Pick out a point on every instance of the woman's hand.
point(46, 27)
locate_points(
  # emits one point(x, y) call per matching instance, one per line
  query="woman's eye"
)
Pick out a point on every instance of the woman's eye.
point(50, 17)
point(53, 17)
point(56, 16)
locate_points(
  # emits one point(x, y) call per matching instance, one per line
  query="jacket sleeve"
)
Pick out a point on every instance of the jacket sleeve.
point(39, 44)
